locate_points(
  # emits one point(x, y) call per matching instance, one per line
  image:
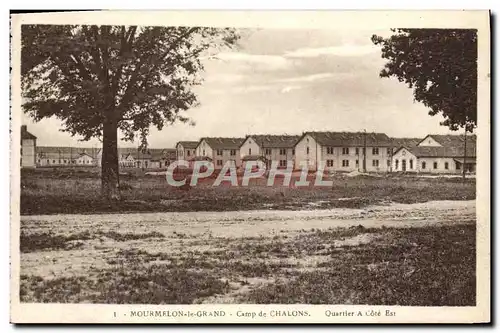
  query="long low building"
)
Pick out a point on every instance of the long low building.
point(344, 151)
point(334, 151)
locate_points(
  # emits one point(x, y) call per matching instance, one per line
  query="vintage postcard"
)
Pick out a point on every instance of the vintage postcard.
point(250, 167)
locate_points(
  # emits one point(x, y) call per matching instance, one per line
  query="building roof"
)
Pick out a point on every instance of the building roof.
point(452, 140)
point(357, 139)
point(451, 146)
point(275, 141)
point(450, 152)
point(405, 142)
point(223, 143)
point(25, 135)
point(188, 144)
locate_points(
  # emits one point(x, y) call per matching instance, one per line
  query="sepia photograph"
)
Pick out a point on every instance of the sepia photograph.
point(230, 172)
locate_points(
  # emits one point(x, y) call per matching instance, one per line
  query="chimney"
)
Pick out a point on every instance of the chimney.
point(24, 128)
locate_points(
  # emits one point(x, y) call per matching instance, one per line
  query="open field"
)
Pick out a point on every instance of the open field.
point(397, 254)
point(56, 192)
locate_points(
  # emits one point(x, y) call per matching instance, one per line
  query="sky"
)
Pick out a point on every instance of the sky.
point(287, 82)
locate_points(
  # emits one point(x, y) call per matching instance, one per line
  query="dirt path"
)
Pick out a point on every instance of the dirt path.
point(257, 223)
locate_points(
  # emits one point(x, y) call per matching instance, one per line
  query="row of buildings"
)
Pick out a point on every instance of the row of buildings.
point(43, 156)
point(340, 151)
point(336, 151)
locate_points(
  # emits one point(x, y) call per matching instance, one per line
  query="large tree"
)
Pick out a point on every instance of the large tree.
point(103, 79)
point(440, 65)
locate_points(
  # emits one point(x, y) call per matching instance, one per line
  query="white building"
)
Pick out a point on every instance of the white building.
point(269, 148)
point(220, 150)
point(28, 148)
point(440, 154)
point(344, 151)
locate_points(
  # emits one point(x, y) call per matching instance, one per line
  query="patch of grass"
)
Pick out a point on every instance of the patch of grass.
point(50, 241)
point(414, 267)
point(123, 237)
point(155, 284)
point(48, 192)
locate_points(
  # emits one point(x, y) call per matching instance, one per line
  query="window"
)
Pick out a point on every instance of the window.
point(219, 162)
point(65, 161)
point(181, 152)
point(345, 151)
point(203, 152)
point(38, 161)
point(233, 152)
point(53, 161)
point(357, 151)
point(329, 163)
point(189, 153)
point(282, 151)
point(389, 151)
point(423, 165)
point(282, 163)
point(293, 151)
point(375, 151)
point(146, 163)
point(48, 161)
point(411, 164)
point(345, 163)
point(375, 163)
point(219, 152)
point(397, 165)
point(457, 166)
point(435, 165)
point(364, 151)
point(446, 165)
point(388, 163)
point(329, 150)
point(357, 163)
point(307, 150)
point(268, 151)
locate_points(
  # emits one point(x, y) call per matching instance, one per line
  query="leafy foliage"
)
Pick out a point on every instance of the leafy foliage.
point(139, 76)
point(441, 67)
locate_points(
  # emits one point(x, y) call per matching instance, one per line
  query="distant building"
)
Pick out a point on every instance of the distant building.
point(269, 148)
point(220, 150)
point(28, 148)
point(437, 154)
point(344, 151)
point(186, 150)
point(66, 156)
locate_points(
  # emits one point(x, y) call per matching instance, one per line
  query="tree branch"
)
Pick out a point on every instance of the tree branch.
point(133, 79)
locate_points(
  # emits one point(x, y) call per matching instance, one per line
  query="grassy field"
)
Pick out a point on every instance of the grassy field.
point(419, 266)
point(53, 192)
point(254, 244)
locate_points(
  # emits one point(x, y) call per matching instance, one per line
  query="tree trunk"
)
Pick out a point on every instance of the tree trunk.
point(109, 165)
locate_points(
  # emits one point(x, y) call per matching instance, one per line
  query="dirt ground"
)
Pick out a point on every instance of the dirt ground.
point(244, 255)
